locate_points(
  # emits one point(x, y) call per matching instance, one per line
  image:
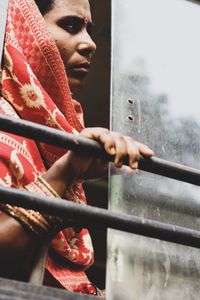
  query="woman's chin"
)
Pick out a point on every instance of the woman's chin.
point(75, 84)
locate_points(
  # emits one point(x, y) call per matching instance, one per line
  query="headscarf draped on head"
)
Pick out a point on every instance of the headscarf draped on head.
point(34, 87)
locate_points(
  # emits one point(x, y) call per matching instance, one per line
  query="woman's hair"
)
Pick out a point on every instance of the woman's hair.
point(44, 5)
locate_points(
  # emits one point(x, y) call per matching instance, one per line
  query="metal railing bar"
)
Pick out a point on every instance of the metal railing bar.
point(90, 147)
point(170, 169)
point(92, 217)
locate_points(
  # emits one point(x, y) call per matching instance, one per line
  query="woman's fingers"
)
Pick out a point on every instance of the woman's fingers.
point(133, 153)
point(135, 150)
point(103, 136)
point(121, 149)
point(113, 142)
point(119, 146)
point(144, 150)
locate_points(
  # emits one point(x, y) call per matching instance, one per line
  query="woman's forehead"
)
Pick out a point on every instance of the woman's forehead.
point(72, 7)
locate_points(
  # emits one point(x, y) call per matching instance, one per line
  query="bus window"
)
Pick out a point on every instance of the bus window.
point(155, 99)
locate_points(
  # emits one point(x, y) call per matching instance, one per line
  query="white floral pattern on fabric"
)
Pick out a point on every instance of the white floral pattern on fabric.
point(32, 95)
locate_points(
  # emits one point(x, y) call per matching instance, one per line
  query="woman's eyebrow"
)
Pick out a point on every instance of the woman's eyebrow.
point(77, 19)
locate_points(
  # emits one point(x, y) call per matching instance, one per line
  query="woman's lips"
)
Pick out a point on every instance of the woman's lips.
point(80, 69)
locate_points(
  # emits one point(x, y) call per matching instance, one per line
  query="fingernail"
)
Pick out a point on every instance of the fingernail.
point(151, 151)
point(118, 164)
point(112, 151)
point(134, 165)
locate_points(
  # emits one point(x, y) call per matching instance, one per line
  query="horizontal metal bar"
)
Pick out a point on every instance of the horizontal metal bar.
point(90, 147)
point(51, 136)
point(170, 169)
point(92, 217)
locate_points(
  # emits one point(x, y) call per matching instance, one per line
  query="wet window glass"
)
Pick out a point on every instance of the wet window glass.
point(156, 100)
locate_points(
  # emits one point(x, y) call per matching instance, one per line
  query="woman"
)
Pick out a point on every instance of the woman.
point(45, 60)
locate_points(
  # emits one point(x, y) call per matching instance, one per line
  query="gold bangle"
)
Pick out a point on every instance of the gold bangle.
point(36, 222)
point(28, 223)
point(48, 187)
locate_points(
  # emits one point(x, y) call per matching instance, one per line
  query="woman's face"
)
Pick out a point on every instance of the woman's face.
point(70, 23)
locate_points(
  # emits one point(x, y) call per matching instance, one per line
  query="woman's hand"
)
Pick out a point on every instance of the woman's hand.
point(115, 144)
point(74, 166)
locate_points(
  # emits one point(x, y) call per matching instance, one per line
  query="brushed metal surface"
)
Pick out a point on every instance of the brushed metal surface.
point(155, 99)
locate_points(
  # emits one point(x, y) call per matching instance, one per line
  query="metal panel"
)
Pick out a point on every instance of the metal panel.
point(155, 99)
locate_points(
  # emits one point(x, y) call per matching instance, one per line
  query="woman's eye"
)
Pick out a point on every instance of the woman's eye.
point(74, 25)
point(72, 28)
point(71, 25)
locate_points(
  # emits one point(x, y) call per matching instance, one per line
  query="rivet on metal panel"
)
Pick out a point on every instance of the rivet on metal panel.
point(131, 118)
point(131, 101)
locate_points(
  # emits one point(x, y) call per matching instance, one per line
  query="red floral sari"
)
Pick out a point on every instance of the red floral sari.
point(34, 87)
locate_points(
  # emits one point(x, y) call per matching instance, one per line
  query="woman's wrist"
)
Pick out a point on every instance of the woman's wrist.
point(37, 223)
point(61, 175)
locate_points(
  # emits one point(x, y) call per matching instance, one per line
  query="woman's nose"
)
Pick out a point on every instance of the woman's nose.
point(86, 45)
